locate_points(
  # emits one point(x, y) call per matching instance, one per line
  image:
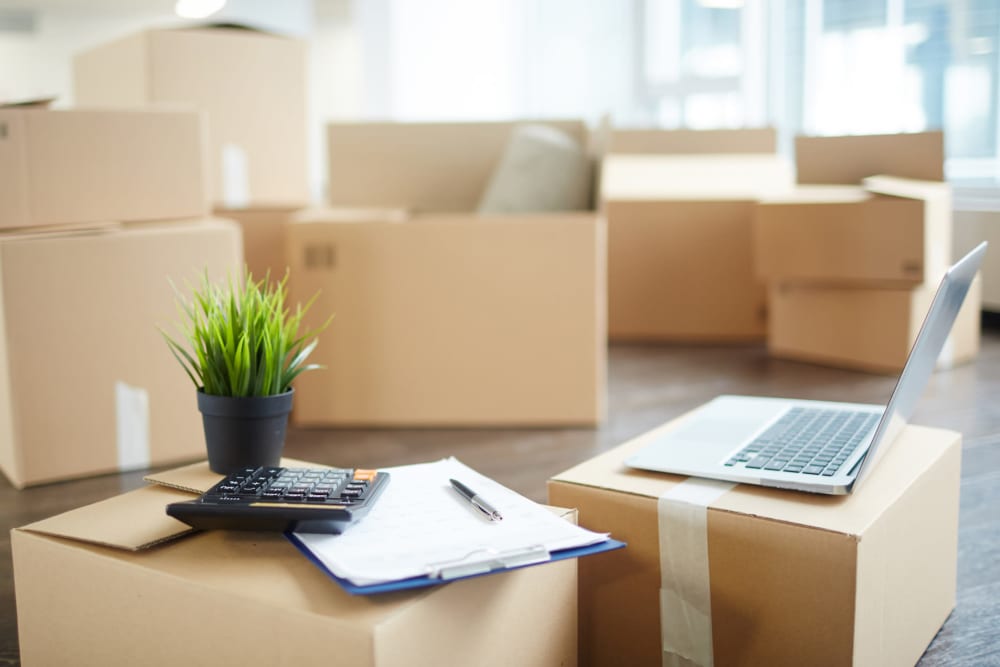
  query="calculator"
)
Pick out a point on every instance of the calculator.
point(305, 500)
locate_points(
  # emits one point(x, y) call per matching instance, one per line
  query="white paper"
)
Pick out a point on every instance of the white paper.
point(421, 525)
point(132, 426)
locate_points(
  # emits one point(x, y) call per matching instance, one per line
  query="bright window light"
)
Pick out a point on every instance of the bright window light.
point(198, 9)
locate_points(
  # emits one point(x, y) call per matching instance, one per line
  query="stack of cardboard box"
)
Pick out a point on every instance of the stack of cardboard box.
point(100, 210)
point(444, 316)
point(680, 208)
point(853, 256)
point(252, 87)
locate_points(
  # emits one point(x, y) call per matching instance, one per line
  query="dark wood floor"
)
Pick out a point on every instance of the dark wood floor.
point(647, 386)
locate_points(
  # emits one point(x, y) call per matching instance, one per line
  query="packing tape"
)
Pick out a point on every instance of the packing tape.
point(235, 177)
point(132, 426)
point(685, 591)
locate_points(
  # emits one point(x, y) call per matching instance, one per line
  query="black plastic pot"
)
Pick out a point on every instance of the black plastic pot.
point(242, 432)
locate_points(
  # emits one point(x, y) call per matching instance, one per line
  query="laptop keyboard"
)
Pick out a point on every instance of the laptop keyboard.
point(812, 441)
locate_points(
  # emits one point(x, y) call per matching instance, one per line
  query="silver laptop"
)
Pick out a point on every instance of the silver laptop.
point(816, 446)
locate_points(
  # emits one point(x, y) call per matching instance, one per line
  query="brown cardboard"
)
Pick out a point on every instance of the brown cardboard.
point(972, 227)
point(251, 85)
point(870, 329)
point(680, 247)
point(795, 578)
point(75, 166)
point(419, 166)
point(890, 233)
point(263, 238)
point(79, 313)
point(850, 159)
point(111, 581)
point(625, 141)
point(452, 319)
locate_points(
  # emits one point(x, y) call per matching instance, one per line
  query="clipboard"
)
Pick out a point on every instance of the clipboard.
point(422, 532)
point(478, 568)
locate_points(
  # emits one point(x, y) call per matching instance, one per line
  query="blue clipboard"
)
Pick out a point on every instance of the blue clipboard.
point(491, 566)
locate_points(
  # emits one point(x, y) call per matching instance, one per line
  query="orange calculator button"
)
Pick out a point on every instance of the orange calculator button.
point(364, 475)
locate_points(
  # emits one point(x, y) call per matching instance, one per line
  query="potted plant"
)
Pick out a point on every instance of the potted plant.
point(244, 350)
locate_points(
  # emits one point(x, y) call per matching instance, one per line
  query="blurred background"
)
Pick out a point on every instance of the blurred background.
point(822, 67)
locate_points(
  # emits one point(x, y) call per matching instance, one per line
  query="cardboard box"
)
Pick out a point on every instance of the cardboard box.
point(891, 232)
point(452, 319)
point(79, 313)
point(626, 141)
point(971, 228)
point(867, 329)
point(111, 582)
point(263, 237)
point(252, 86)
point(680, 245)
point(784, 578)
point(850, 159)
point(74, 166)
point(420, 166)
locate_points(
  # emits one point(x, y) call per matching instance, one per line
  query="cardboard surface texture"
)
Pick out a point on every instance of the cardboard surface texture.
point(971, 228)
point(126, 403)
point(264, 231)
point(252, 86)
point(890, 232)
point(452, 319)
point(172, 602)
point(623, 141)
point(76, 166)
point(850, 159)
point(794, 578)
point(420, 166)
point(680, 245)
point(868, 329)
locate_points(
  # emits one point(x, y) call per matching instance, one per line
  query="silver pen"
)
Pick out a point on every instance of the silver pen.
point(477, 501)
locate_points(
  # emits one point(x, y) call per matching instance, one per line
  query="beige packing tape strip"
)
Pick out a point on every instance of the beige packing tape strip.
point(685, 592)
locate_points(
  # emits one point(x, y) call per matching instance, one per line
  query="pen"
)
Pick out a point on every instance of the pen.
point(476, 500)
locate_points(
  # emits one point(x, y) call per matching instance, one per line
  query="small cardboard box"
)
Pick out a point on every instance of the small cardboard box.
point(452, 319)
point(768, 577)
point(869, 329)
point(849, 160)
point(890, 232)
point(420, 166)
point(252, 86)
point(680, 245)
point(74, 166)
point(111, 582)
point(87, 383)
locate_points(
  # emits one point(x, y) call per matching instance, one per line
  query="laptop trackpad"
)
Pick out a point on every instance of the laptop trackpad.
point(728, 421)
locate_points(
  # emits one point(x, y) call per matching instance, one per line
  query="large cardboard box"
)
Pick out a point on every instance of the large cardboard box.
point(680, 244)
point(972, 227)
point(252, 86)
point(452, 320)
point(87, 383)
point(75, 166)
point(757, 576)
point(870, 329)
point(420, 166)
point(890, 232)
point(111, 583)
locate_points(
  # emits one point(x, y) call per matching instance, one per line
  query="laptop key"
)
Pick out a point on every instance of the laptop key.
point(812, 470)
point(758, 462)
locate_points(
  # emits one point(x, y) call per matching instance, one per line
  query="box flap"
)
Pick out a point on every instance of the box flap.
point(901, 465)
point(715, 177)
point(906, 187)
point(346, 214)
point(850, 159)
point(646, 141)
point(197, 478)
point(132, 521)
point(820, 194)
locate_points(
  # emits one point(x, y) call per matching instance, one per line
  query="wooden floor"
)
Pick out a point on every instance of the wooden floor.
point(647, 386)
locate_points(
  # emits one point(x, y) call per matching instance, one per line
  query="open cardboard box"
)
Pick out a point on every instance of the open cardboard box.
point(76, 166)
point(87, 383)
point(122, 583)
point(765, 576)
point(680, 244)
point(250, 84)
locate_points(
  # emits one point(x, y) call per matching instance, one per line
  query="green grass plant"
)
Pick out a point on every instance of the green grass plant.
point(242, 338)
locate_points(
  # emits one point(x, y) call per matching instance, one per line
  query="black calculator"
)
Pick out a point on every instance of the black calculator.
point(305, 500)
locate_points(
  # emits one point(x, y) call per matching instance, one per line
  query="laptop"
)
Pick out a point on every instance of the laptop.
point(815, 446)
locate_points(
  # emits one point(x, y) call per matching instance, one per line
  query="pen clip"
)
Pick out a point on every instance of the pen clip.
point(491, 560)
